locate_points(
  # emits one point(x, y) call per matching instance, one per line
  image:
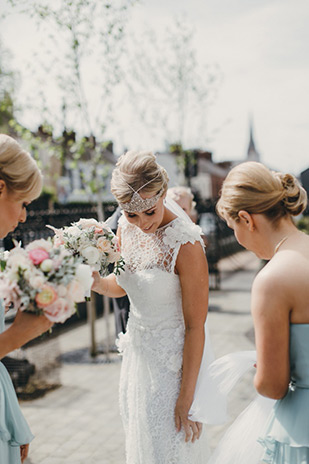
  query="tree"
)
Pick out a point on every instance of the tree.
point(8, 80)
point(170, 90)
point(80, 53)
point(78, 62)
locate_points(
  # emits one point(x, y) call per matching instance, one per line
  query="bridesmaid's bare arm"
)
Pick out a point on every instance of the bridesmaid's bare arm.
point(24, 328)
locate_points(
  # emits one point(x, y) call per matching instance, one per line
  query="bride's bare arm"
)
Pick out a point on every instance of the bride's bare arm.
point(192, 268)
point(107, 286)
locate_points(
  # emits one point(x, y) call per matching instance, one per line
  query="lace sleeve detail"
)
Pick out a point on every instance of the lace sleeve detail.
point(181, 232)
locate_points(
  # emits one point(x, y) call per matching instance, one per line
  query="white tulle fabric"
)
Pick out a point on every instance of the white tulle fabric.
point(240, 443)
point(153, 346)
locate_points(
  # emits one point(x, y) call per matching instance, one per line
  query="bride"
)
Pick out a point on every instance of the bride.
point(166, 279)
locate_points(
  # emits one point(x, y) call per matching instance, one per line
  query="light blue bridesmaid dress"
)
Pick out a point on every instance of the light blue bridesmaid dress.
point(14, 430)
point(286, 436)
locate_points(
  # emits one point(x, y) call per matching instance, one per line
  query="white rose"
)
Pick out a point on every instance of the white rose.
point(37, 281)
point(18, 258)
point(91, 254)
point(12, 275)
point(88, 223)
point(46, 265)
point(84, 275)
point(74, 231)
point(4, 255)
point(21, 262)
point(76, 291)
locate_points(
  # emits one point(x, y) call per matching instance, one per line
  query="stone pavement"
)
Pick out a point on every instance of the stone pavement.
point(79, 422)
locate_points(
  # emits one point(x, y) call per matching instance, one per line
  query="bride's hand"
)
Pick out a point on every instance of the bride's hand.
point(96, 285)
point(192, 429)
point(100, 284)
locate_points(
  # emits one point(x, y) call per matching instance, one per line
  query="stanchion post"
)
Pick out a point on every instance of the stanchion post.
point(106, 319)
point(91, 317)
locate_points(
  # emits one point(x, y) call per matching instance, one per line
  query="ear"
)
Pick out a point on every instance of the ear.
point(247, 219)
point(2, 186)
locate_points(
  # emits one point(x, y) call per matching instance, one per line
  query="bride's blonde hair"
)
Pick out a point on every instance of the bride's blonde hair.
point(252, 187)
point(134, 169)
point(18, 170)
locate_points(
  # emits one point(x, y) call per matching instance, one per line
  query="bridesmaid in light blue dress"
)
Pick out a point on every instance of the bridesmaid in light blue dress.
point(286, 436)
point(14, 430)
point(258, 205)
point(20, 183)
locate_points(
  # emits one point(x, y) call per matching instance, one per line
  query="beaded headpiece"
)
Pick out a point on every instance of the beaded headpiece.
point(137, 204)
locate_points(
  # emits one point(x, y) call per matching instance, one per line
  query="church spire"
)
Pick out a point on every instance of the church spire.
point(252, 153)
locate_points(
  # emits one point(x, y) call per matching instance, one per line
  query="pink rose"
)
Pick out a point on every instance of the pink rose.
point(38, 255)
point(60, 310)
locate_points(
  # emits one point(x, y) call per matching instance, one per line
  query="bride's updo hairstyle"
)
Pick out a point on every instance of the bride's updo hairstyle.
point(134, 169)
point(18, 170)
point(252, 187)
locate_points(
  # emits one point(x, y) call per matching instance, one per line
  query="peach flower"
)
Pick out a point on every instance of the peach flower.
point(46, 296)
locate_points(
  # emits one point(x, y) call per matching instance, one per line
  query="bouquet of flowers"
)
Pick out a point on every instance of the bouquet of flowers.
point(43, 279)
point(94, 242)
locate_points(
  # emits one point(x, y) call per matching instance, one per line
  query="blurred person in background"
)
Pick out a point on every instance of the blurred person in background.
point(184, 198)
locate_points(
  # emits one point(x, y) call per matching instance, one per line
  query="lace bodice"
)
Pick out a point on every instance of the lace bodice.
point(159, 250)
point(149, 278)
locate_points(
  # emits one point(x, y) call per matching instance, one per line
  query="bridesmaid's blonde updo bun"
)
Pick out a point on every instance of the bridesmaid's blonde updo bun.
point(253, 188)
point(18, 170)
point(135, 169)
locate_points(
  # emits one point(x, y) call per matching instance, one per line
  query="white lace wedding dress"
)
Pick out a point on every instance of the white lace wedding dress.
point(153, 346)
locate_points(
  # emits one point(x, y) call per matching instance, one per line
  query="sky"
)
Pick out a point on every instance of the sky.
point(262, 49)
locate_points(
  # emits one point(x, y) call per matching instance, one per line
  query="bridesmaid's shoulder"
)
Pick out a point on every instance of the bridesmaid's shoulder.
point(272, 276)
